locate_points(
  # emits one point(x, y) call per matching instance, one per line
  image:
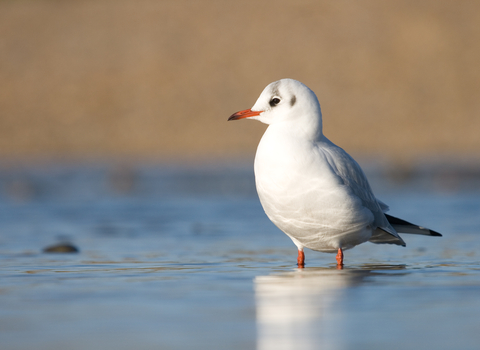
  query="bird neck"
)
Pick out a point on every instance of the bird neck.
point(306, 130)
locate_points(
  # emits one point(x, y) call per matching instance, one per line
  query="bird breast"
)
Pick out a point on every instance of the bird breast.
point(304, 197)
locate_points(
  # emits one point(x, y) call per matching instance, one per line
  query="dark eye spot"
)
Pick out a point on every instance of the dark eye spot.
point(274, 101)
point(293, 100)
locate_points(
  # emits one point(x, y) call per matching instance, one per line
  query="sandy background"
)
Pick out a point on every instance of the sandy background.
point(158, 79)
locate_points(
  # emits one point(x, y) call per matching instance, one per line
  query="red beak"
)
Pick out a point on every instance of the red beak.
point(244, 114)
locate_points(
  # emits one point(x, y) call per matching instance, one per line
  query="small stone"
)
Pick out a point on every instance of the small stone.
point(61, 248)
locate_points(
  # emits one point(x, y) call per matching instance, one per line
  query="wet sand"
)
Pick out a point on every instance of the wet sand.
point(185, 258)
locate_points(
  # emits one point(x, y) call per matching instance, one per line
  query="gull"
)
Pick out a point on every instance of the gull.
point(310, 188)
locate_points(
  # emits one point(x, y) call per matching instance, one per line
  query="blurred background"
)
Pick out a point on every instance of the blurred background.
point(115, 152)
point(157, 80)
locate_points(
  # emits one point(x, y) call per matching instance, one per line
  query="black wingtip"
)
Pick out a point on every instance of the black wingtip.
point(396, 221)
point(435, 233)
point(400, 222)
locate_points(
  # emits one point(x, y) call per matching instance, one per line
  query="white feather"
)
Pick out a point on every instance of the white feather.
point(309, 187)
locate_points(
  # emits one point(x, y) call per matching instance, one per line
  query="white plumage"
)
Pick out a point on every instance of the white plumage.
point(310, 188)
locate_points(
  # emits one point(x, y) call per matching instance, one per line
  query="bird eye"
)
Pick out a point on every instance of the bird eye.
point(274, 101)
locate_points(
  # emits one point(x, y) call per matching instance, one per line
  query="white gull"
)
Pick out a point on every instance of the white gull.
point(310, 188)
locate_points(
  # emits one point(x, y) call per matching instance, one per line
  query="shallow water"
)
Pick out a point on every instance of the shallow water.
point(185, 258)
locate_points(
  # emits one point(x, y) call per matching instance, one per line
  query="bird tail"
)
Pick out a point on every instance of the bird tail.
point(407, 227)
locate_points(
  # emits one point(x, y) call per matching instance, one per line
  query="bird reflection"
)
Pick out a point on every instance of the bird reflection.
point(303, 309)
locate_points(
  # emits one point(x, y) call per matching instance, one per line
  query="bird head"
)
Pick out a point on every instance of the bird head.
point(287, 102)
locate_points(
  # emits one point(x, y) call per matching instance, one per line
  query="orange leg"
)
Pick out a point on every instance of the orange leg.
point(301, 259)
point(340, 258)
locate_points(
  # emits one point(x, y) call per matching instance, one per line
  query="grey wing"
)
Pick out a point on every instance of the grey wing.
point(353, 176)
